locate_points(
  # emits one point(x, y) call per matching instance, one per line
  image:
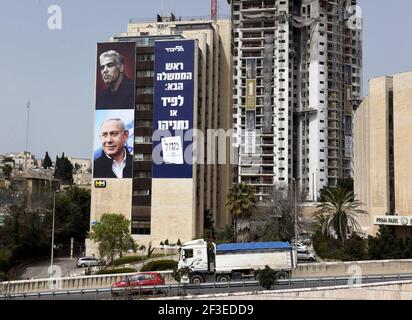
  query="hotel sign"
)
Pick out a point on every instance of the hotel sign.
point(393, 220)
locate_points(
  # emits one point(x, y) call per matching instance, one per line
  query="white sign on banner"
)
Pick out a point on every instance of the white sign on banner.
point(172, 150)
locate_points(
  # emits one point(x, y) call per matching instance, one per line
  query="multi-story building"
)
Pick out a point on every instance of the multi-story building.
point(297, 79)
point(80, 165)
point(382, 153)
point(173, 208)
point(23, 161)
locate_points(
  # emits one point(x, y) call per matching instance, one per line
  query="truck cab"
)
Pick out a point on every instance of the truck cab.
point(197, 255)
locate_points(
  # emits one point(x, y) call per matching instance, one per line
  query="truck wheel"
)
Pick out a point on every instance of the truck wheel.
point(282, 275)
point(223, 278)
point(196, 279)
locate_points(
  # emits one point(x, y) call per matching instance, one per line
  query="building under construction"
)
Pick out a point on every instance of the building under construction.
point(297, 80)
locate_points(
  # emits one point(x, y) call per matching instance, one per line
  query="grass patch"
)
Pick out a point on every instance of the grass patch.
point(135, 259)
point(160, 265)
point(116, 271)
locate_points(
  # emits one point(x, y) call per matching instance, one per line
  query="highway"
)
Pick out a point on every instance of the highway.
point(175, 290)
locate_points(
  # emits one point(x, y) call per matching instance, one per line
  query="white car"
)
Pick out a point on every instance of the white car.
point(306, 255)
point(88, 262)
point(299, 246)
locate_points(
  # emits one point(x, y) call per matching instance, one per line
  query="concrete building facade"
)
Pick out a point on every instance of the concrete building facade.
point(308, 61)
point(174, 209)
point(383, 149)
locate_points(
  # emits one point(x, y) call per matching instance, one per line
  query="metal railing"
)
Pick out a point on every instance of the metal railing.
point(181, 290)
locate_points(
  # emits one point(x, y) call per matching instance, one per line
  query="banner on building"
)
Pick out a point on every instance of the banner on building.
point(115, 75)
point(173, 108)
point(348, 146)
point(113, 144)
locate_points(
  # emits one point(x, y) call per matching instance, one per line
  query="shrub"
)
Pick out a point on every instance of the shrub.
point(128, 259)
point(267, 277)
point(5, 259)
point(355, 248)
point(160, 265)
point(3, 276)
point(179, 274)
point(387, 246)
point(117, 271)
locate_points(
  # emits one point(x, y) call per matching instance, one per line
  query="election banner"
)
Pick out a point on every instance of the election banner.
point(173, 108)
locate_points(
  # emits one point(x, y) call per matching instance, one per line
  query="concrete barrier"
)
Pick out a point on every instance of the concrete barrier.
point(401, 290)
point(341, 269)
point(324, 269)
point(68, 283)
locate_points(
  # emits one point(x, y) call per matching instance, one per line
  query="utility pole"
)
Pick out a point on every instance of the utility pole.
point(52, 244)
point(71, 247)
point(27, 127)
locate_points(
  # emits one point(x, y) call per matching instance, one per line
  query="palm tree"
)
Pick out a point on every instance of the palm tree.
point(241, 202)
point(338, 213)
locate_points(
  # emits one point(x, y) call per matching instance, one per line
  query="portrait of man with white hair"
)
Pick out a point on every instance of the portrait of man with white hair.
point(119, 89)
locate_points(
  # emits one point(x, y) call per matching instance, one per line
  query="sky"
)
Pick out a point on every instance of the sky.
point(55, 69)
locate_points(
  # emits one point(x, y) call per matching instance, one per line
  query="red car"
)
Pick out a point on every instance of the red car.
point(137, 282)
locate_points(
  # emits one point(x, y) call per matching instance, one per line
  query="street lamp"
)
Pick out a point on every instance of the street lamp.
point(52, 243)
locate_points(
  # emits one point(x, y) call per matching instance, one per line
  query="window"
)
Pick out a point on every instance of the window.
point(188, 253)
point(143, 107)
point(145, 73)
point(143, 140)
point(141, 193)
point(138, 156)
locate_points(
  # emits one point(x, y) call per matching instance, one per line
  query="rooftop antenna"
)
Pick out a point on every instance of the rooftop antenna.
point(28, 121)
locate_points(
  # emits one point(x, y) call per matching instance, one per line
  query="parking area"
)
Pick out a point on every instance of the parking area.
point(39, 270)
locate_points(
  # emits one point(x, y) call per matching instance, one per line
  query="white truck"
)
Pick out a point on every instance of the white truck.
point(229, 261)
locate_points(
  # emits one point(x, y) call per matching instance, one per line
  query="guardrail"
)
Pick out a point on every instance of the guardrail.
point(177, 290)
point(313, 270)
point(67, 283)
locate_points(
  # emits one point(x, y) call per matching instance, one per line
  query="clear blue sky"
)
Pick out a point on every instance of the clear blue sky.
point(55, 69)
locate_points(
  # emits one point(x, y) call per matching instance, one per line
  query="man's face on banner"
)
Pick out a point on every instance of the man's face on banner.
point(110, 69)
point(113, 138)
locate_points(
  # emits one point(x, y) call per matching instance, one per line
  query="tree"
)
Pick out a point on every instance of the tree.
point(241, 202)
point(267, 277)
point(278, 213)
point(339, 210)
point(113, 235)
point(7, 170)
point(208, 225)
point(72, 215)
point(25, 234)
point(47, 163)
point(346, 184)
point(77, 168)
point(387, 246)
point(64, 170)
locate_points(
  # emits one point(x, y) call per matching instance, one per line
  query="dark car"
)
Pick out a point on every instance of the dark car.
point(136, 283)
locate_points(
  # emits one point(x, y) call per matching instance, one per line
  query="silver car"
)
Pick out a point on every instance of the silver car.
point(88, 262)
point(306, 255)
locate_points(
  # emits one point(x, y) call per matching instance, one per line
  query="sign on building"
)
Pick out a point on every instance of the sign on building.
point(173, 108)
